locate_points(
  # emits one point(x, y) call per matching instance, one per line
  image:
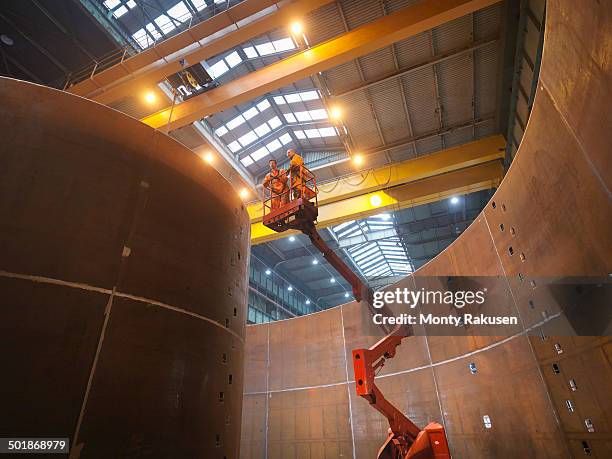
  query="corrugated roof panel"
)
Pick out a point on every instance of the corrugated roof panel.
point(429, 145)
point(324, 23)
point(377, 63)
point(453, 34)
point(359, 12)
point(413, 50)
point(359, 121)
point(342, 77)
point(486, 80)
point(486, 128)
point(455, 86)
point(421, 98)
point(402, 153)
point(458, 137)
point(390, 110)
point(394, 5)
point(487, 21)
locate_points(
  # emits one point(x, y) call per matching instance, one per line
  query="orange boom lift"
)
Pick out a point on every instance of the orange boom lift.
point(299, 211)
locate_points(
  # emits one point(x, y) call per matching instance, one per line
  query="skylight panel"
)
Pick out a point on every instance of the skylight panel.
point(280, 100)
point(320, 114)
point(248, 138)
point(265, 49)
point(142, 38)
point(250, 52)
point(291, 98)
point(303, 116)
point(309, 95)
point(221, 131)
point(250, 113)
point(120, 11)
point(275, 122)
point(342, 226)
point(262, 130)
point(274, 145)
point(131, 4)
point(233, 59)
point(263, 105)
point(290, 117)
point(164, 23)
point(285, 139)
point(260, 153)
point(199, 4)
point(110, 4)
point(218, 69)
point(153, 31)
point(234, 123)
point(300, 134)
point(234, 146)
point(180, 12)
point(284, 44)
point(246, 161)
point(312, 133)
point(327, 132)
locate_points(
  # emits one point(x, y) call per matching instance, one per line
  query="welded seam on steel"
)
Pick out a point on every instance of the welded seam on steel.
point(433, 373)
point(140, 299)
point(348, 387)
point(107, 312)
point(423, 367)
point(567, 125)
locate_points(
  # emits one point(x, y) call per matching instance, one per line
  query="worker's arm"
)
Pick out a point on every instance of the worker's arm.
point(266, 182)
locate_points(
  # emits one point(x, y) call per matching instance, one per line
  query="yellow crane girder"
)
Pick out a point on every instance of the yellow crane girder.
point(404, 23)
point(455, 171)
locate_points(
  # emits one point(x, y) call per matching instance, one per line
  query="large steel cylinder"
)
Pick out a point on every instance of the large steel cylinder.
point(123, 283)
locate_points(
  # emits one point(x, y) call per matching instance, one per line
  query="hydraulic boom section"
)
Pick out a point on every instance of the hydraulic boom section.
point(296, 207)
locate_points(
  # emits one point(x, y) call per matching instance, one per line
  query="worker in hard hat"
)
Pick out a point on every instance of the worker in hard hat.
point(295, 168)
point(276, 182)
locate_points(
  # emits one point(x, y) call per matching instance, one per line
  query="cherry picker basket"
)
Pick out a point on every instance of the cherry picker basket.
point(296, 206)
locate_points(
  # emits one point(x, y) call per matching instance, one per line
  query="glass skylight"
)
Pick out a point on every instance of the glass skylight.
point(131, 4)
point(268, 48)
point(199, 4)
point(219, 69)
point(180, 12)
point(142, 38)
point(164, 23)
point(110, 4)
point(376, 256)
point(120, 11)
point(233, 59)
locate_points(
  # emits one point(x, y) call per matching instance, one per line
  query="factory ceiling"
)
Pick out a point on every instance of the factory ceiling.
point(442, 87)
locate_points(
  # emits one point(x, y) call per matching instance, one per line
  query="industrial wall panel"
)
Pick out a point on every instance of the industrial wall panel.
point(553, 209)
point(132, 305)
point(253, 444)
point(299, 360)
point(311, 423)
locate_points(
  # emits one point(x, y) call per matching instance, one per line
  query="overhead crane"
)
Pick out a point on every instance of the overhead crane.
point(296, 208)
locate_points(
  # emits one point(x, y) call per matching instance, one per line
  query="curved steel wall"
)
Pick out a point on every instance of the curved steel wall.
point(122, 284)
point(555, 207)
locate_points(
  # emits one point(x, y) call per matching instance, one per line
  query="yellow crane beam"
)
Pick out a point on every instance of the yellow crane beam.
point(144, 71)
point(404, 23)
point(459, 170)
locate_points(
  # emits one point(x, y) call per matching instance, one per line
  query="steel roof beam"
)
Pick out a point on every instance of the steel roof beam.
point(412, 170)
point(404, 23)
point(431, 189)
point(154, 64)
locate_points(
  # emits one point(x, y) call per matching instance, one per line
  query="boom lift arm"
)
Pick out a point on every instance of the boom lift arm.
point(296, 208)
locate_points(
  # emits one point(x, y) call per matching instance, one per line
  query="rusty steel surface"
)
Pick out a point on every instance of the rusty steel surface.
point(554, 209)
point(123, 284)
